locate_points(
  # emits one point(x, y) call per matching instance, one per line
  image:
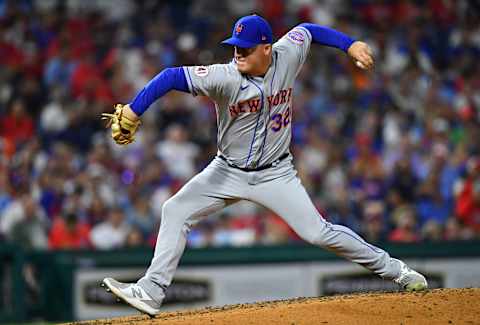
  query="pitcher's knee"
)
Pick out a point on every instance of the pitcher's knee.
point(177, 210)
point(313, 238)
point(316, 235)
point(170, 208)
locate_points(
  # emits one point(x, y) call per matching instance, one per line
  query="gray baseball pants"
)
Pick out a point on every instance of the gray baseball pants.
point(277, 188)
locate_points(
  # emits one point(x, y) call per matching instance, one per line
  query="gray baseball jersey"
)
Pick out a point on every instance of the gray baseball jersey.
point(254, 129)
point(254, 113)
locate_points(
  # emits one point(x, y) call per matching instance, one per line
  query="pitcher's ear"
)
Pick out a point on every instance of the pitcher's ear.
point(267, 48)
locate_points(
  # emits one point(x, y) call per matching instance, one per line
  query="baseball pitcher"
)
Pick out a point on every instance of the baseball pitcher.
point(253, 97)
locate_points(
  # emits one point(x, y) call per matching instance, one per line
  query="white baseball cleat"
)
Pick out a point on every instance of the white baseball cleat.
point(132, 294)
point(409, 279)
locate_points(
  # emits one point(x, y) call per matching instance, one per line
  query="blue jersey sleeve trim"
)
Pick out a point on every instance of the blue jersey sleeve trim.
point(168, 79)
point(192, 89)
point(328, 36)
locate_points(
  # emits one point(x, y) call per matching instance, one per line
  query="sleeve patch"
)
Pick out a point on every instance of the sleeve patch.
point(201, 71)
point(296, 37)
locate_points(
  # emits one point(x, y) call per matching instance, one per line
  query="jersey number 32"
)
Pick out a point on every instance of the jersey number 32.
point(280, 120)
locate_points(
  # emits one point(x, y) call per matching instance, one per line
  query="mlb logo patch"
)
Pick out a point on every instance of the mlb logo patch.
point(201, 71)
point(296, 37)
point(239, 29)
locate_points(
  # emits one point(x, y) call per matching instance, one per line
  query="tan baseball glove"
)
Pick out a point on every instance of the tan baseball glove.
point(123, 127)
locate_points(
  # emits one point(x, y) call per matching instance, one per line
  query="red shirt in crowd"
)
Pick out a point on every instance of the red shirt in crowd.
point(63, 237)
point(16, 128)
point(467, 208)
point(401, 235)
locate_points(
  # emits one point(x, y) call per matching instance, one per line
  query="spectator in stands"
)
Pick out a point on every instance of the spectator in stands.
point(468, 200)
point(432, 231)
point(178, 153)
point(135, 238)
point(5, 195)
point(404, 181)
point(343, 212)
point(58, 70)
point(430, 203)
point(13, 213)
point(140, 216)
point(275, 231)
point(391, 140)
point(111, 233)
point(17, 126)
point(405, 224)
point(30, 232)
point(373, 222)
point(68, 232)
point(454, 230)
point(54, 118)
point(201, 235)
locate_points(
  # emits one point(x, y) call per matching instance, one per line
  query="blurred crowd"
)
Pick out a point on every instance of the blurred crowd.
point(393, 154)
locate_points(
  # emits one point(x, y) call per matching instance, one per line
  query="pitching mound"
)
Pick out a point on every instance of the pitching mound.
point(440, 306)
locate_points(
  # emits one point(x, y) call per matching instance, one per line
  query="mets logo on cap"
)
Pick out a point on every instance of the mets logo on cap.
point(239, 29)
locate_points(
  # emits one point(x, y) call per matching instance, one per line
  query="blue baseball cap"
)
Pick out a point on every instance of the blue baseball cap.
point(249, 31)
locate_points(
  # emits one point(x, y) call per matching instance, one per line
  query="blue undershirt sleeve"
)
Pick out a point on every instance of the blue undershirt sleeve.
point(168, 79)
point(329, 37)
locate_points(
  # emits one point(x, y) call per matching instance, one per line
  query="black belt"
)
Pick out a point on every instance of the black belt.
point(274, 163)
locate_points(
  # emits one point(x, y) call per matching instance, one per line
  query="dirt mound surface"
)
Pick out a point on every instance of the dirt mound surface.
point(440, 306)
